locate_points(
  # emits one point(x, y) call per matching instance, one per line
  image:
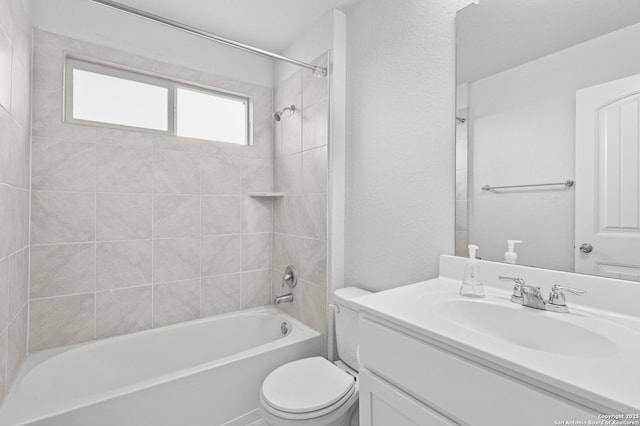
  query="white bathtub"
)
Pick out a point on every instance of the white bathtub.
point(203, 372)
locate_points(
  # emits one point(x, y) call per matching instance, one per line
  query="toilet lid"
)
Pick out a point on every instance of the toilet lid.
point(306, 385)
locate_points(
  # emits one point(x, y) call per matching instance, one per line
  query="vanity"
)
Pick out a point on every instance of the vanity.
point(432, 357)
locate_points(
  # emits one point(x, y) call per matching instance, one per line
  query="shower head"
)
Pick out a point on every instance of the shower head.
point(278, 115)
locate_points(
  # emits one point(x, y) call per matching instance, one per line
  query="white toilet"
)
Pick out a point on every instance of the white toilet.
point(315, 391)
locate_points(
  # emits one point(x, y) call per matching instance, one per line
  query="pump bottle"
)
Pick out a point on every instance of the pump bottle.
point(471, 284)
point(510, 256)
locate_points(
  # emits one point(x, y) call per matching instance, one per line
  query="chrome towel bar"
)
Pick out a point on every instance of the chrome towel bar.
point(567, 183)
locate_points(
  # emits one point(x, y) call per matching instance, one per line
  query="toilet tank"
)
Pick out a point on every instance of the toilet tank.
point(346, 324)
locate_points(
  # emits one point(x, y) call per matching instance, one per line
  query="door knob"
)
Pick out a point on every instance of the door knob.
point(586, 248)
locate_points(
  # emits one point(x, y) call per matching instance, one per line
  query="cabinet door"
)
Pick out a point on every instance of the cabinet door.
point(381, 404)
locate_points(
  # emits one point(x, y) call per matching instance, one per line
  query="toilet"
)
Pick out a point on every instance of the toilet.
point(315, 391)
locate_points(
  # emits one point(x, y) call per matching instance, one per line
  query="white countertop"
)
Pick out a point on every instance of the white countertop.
point(609, 381)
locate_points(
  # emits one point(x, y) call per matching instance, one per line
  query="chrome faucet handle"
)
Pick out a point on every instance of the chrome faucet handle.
point(516, 297)
point(557, 300)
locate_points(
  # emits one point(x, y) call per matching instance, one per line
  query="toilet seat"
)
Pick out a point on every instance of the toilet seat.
point(307, 388)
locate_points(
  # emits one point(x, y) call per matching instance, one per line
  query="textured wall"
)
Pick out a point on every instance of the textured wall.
point(400, 140)
point(132, 230)
point(300, 217)
point(523, 131)
point(15, 119)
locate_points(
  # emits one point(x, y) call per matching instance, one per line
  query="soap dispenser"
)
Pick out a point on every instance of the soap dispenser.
point(510, 256)
point(471, 284)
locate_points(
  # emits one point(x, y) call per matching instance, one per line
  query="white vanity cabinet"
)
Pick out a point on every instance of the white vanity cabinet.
point(405, 380)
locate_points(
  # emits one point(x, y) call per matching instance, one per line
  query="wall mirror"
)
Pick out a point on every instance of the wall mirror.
point(548, 103)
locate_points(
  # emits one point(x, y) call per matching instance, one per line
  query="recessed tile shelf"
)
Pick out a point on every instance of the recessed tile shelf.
point(266, 194)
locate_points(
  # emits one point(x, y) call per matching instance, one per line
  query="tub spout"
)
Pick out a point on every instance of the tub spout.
point(285, 298)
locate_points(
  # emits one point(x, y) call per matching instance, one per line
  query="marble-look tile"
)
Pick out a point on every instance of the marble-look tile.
point(123, 264)
point(16, 344)
point(461, 215)
point(7, 135)
point(288, 215)
point(4, 344)
point(220, 294)
point(277, 289)
point(288, 174)
point(64, 166)
point(18, 218)
point(176, 215)
point(313, 264)
point(123, 137)
point(314, 89)
point(289, 92)
point(4, 295)
point(221, 175)
point(58, 270)
point(461, 185)
point(176, 259)
point(176, 172)
point(257, 176)
point(313, 306)
point(21, 158)
point(221, 215)
point(6, 228)
point(176, 302)
point(256, 251)
point(18, 281)
point(315, 126)
point(287, 250)
point(62, 217)
point(256, 289)
point(124, 168)
point(315, 170)
point(22, 31)
point(5, 71)
point(123, 216)
point(176, 143)
point(257, 214)
point(20, 90)
point(60, 321)
point(220, 255)
point(462, 241)
point(291, 133)
point(314, 216)
point(123, 311)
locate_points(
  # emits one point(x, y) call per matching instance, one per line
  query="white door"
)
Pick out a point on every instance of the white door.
point(608, 179)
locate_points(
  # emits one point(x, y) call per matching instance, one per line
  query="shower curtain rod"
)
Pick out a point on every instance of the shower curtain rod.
point(317, 70)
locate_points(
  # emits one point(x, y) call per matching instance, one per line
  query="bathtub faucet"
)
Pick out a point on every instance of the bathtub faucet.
point(285, 298)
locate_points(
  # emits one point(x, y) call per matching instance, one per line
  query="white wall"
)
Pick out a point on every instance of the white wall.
point(400, 140)
point(523, 131)
point(98, 24)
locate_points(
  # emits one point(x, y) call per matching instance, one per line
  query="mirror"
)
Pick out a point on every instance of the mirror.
point(548, 91)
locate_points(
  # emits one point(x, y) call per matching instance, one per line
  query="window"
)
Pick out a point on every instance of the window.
point(102, 95)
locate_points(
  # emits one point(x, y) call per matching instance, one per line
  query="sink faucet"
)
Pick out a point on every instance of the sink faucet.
point(531, 296)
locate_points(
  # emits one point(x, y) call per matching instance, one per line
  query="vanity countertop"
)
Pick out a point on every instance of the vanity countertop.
point(602, 374)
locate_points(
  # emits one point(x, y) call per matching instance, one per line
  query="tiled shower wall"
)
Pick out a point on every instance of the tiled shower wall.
point(134, 230)
point(301, 173)
point(15, 119)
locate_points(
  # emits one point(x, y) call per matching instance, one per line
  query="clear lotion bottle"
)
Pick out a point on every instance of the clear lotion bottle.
point(471, 284)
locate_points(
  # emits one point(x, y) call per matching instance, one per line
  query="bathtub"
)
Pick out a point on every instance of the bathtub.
point(203, 372)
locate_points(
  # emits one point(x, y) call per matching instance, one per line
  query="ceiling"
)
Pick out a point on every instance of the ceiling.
point(496, 35)
point(268, 24)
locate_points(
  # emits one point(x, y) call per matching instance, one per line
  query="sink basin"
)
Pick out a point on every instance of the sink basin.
point(522, 326)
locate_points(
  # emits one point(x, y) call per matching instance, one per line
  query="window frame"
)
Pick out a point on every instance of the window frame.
point(172, 86)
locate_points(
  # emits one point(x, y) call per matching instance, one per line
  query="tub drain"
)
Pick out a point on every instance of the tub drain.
point(284, 328)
